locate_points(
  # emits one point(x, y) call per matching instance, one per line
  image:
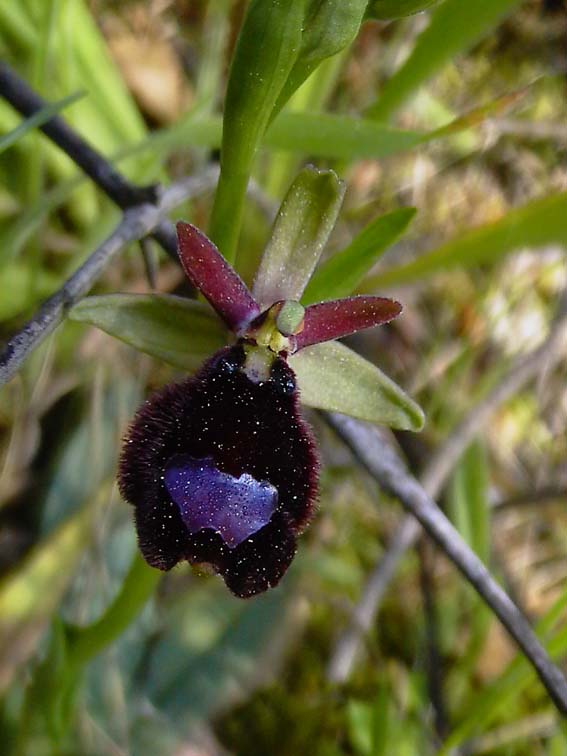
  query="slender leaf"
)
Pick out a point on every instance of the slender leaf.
point(37, 120)
point(303, 225)
point(179, 331)
point(340, 275)
point(314, 134)
point(535, 224)
point(454, 27)
point(332, 377)
point(340, 137)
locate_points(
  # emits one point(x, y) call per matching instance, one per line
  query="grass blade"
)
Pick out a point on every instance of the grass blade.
point(535, 224)
point(340, 275)
point(37, 120)
point(455, 26)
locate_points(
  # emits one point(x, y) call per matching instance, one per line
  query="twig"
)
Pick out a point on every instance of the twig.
point(136, 223)
point(382, 462)
point(126, 195)
point(447, 455)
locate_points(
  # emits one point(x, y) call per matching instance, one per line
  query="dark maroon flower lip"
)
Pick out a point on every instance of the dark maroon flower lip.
point(241, 428)
point(221, 468)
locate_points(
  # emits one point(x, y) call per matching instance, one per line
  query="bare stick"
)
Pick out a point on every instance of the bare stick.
point(136, 223)
point(433, 479)
point(383, 463)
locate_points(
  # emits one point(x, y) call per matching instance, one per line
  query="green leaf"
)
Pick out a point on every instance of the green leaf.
point(37, 119)
point(454, 27)
point(332, 377)
point(340, 275)
point(389, 9)
point(329, 27)
point(315, 134)
point(339, 137)
point(535, 224)
point(301, 230)
point(182, 332)
point(267, 48)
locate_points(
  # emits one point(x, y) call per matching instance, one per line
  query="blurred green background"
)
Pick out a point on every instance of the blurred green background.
point(199, 672)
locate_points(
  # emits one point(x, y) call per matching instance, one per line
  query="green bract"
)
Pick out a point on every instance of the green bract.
point(329, 27)
point(280, 44)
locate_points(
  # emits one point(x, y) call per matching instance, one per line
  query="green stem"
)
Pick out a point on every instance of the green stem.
point(138, 586)
point(228, 208)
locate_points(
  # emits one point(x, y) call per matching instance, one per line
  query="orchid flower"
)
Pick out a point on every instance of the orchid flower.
point(222, 468)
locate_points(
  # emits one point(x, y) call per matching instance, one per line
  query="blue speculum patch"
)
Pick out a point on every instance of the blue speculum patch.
point(236, 508)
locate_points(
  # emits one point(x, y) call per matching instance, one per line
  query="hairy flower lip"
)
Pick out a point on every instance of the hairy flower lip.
point(246, 428)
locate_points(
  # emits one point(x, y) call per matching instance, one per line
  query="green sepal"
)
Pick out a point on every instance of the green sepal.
point(179, 331)
point(342, 273)
point(332, 377)
point(301, 230)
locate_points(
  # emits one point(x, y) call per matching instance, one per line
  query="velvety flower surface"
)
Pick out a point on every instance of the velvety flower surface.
point(221, 468)
point(250, 433)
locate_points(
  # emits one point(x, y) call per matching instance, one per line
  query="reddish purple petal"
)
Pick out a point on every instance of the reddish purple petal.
point(219, 283)
point(333, 320)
